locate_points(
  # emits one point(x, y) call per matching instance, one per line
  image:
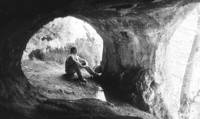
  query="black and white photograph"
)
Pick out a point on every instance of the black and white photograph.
point(99, 59)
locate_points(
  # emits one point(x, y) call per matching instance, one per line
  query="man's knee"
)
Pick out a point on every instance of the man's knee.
point(98, 69)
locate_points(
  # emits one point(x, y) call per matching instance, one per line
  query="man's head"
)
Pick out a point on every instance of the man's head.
point(73, 50)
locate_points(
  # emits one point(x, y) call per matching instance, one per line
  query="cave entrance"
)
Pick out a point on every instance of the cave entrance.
point(43, 60)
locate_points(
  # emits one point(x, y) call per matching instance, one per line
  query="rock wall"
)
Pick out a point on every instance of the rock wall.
point(138, 53)
point(136, 46)
point(172, 66)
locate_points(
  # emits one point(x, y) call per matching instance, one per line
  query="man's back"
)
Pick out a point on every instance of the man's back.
point(71, 58)
point(69, 63)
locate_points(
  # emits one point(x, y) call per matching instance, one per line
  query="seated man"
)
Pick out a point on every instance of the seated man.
point(74, 63)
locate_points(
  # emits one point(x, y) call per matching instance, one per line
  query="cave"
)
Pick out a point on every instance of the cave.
point(148, 52)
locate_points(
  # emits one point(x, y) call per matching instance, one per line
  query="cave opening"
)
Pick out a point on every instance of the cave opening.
point(43, 60)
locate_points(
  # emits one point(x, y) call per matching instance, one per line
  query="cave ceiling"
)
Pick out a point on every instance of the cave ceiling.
point(12, 9)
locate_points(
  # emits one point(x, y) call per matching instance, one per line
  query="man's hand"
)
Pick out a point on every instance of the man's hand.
point(86, 63)
point(83, 61)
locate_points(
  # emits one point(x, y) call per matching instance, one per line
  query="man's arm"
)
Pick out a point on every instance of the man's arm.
point(83, 61)
point(75, 61)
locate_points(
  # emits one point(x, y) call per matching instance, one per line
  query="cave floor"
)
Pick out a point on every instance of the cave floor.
point(48, 78)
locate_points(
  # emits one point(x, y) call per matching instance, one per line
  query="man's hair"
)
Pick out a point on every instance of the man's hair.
point(73, 50)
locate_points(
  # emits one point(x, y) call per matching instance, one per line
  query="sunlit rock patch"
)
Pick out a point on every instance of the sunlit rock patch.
point(174, 64)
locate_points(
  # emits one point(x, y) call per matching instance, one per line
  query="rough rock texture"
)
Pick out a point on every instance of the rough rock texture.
point(135, 56)
point(135, 34)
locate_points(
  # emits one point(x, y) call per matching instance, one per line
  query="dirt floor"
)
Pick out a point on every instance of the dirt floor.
point(49, 78)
